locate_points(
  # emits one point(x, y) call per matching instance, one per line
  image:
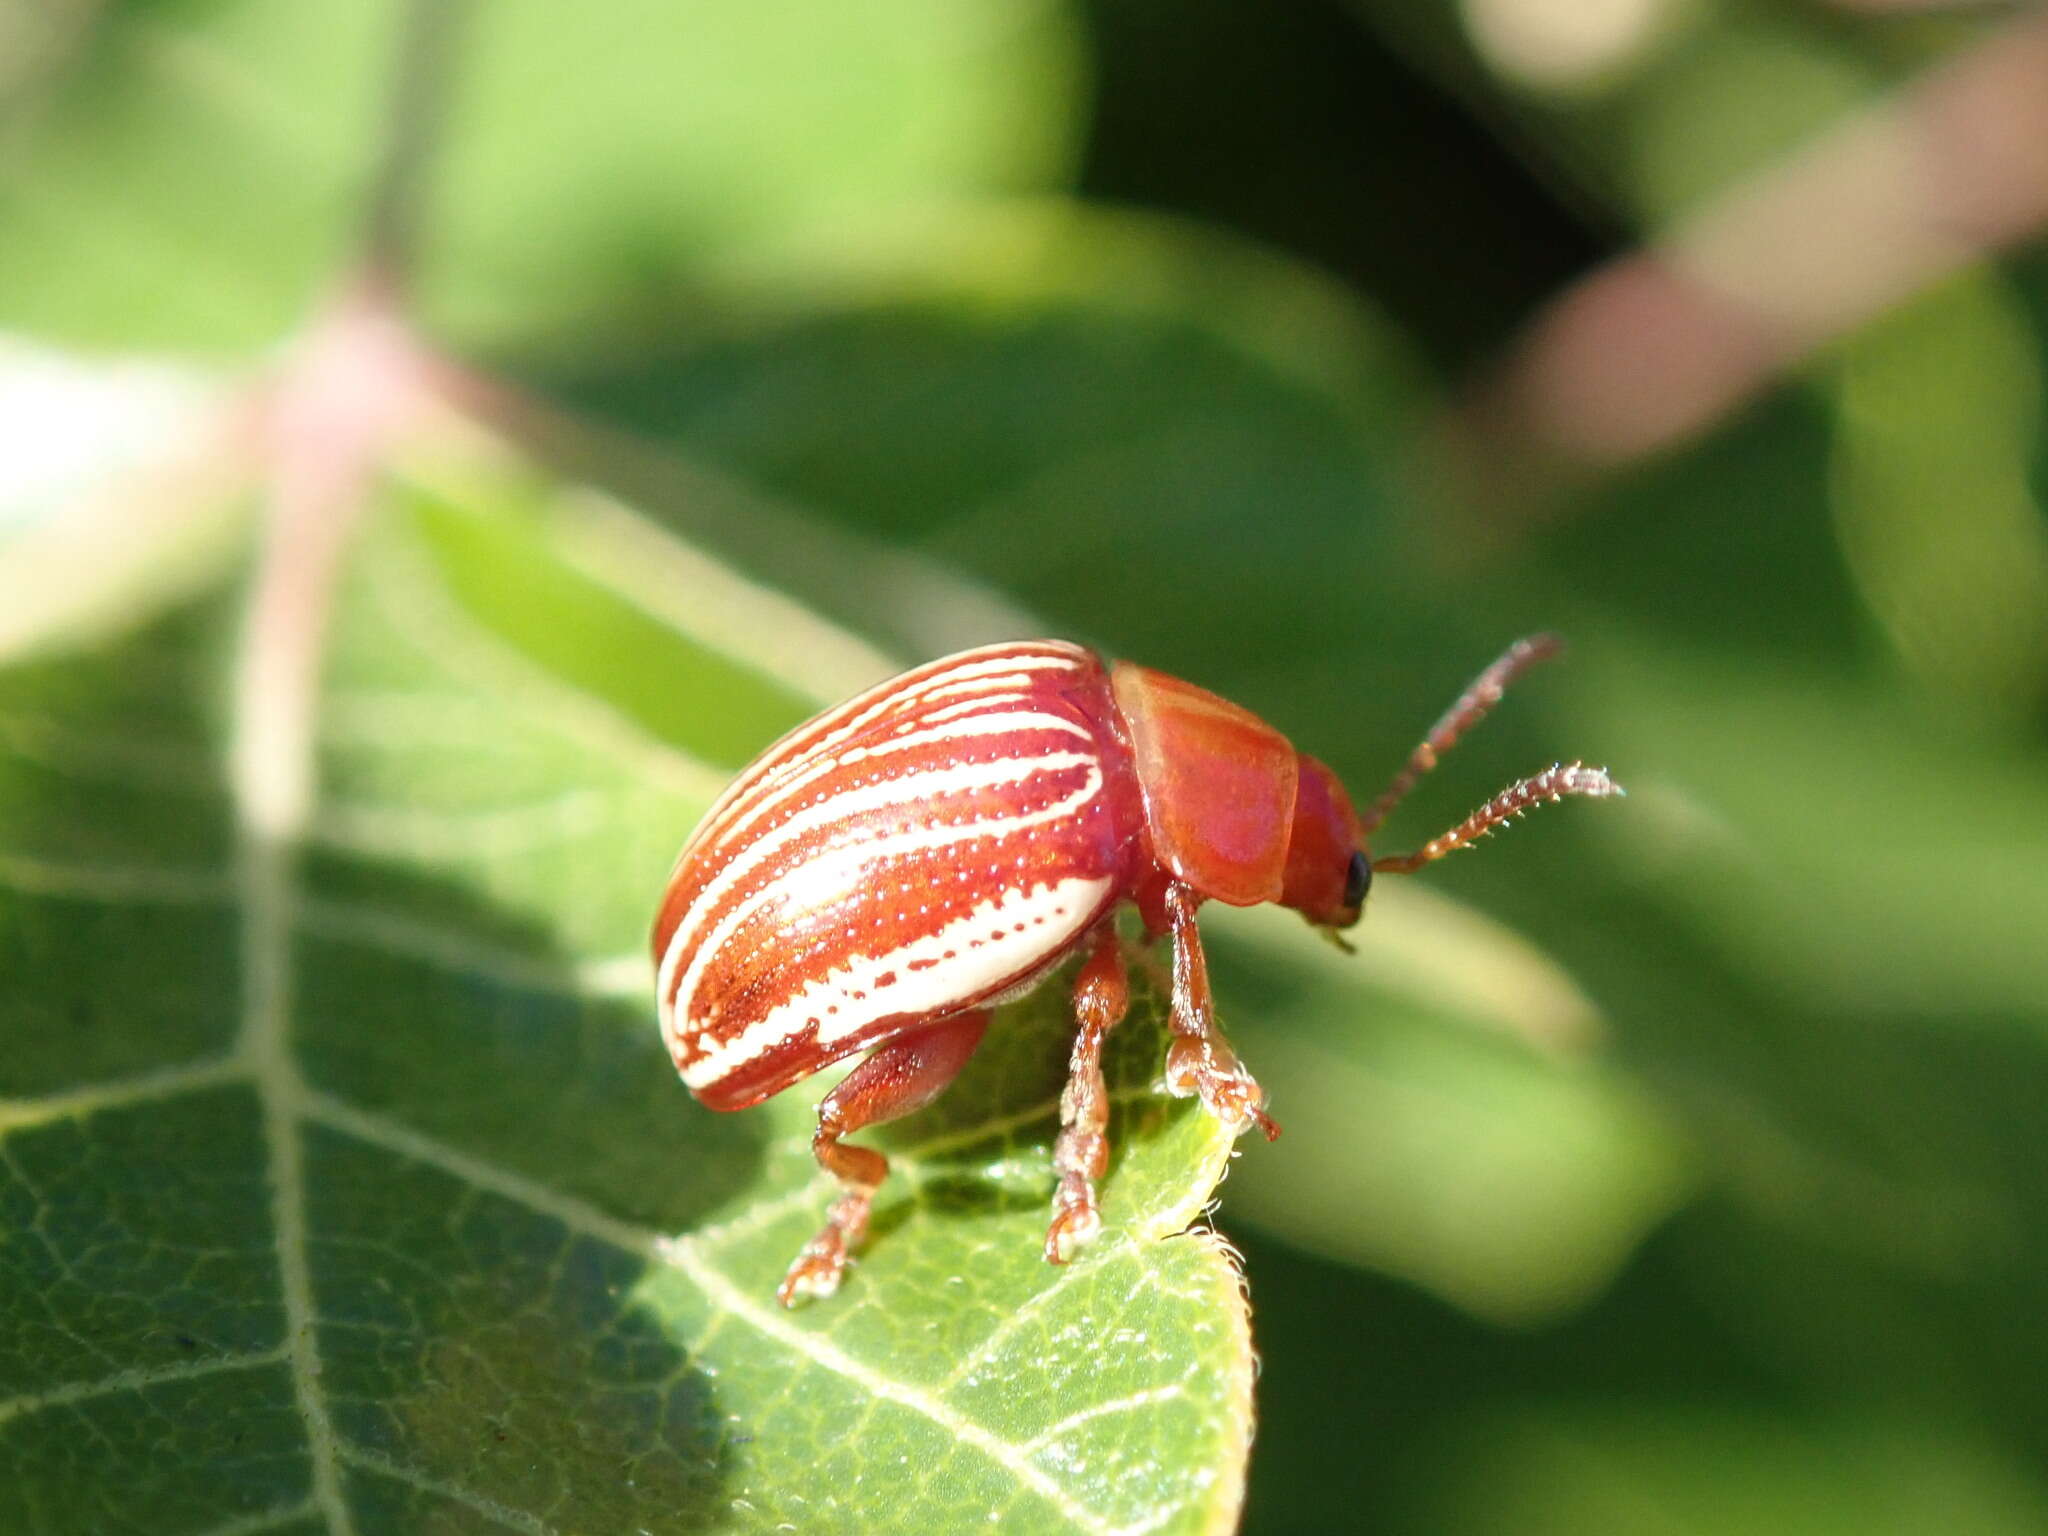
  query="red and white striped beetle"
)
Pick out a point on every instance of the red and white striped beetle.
point(887, 873)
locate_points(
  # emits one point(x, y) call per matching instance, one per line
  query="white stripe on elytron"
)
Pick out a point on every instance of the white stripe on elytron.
point(774, 795)
point(747, 811)
point(965, 674)
point(857, 713)
point(908, 789)
point(902, 791)
point(838, 719)
point(967, 707)
point(948, 688)
point(832, 874)
point(1067, 906)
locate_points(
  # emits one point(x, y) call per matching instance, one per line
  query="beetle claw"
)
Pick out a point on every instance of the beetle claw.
point(1235, 1099)
point(1204, 1067)
point(817, 1271)
point(1073, 1228)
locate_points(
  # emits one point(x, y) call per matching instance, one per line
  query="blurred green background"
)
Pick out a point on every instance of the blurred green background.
point(1673, 1166)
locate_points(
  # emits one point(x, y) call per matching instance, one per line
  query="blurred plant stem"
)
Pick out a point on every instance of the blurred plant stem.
point(421, 82)
point(1653, 349)
point(351, 387)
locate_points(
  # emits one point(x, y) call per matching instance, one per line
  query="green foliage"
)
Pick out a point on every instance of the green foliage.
point(189, 174)
point(360, 1182)
point(1673, 1163)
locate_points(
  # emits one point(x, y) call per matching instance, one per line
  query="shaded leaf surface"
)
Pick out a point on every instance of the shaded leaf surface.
point(355, 1191)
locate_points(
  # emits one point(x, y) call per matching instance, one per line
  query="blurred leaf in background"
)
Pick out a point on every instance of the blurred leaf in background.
point(1673, 1165)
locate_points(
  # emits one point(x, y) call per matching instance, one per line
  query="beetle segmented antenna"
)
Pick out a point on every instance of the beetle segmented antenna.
point(1471, 708)
point(1551, 785)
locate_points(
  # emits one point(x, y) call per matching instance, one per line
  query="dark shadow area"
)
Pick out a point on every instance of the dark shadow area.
point(574, 1092)
point(1293, 123)
point(957, 1195)
point(485, 1345)
point(464, 1333)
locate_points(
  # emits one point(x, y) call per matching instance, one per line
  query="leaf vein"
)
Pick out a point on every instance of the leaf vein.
point(1145, 1397)
point(266, 943)
point(381, 1131)
point(503, 1514)
point(484, 832)
point(263, 1519)
point(401, 936)
point(141, 1088)
point(114, 884)
point(1022, 1314)
point(135, 1379)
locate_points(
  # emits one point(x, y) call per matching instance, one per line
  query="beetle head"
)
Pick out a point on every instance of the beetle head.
point(1328, 872)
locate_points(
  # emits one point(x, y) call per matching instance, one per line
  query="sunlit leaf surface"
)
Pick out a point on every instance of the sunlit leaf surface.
point(192, 175)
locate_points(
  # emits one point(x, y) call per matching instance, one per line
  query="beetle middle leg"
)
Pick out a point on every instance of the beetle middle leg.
point(1200, 1061)
point(1101, 993)
point(902, 1076)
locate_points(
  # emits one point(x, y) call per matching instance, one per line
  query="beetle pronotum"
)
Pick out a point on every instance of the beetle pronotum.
point(887, 873)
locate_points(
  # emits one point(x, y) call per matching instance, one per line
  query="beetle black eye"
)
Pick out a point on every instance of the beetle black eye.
point(1357, 881)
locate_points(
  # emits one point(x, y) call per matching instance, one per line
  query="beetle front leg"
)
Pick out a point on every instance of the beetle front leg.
point(1200, 1061)
point(901, 1077)
point(1101, 993)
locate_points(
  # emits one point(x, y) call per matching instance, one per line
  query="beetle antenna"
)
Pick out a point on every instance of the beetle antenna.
point(1471, 708)
point(1552, 785)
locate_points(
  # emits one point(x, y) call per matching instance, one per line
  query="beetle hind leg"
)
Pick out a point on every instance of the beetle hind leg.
point(1101, 993)
point(900, 1077)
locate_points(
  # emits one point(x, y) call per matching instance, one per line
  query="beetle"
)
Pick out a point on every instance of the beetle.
point(887, 873)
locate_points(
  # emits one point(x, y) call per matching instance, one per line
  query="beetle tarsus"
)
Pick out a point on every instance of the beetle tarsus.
point(1073, 1228)
point(1081, 1154)
point(818, 1269)
point(1195, 1067)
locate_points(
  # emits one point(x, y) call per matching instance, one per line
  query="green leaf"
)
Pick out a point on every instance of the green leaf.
point(191, 174)
point(351, 1189)
point(1708, 1468)
point(1964, 600)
